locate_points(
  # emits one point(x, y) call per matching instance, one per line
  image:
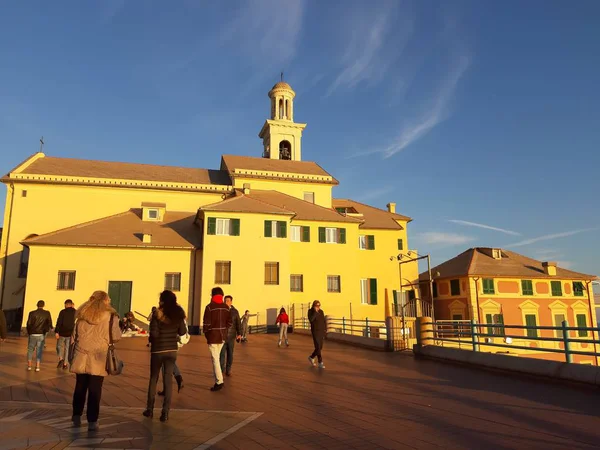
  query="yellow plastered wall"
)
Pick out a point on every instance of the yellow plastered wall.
point(49, 207)
point(293, 188)
point(95, 267)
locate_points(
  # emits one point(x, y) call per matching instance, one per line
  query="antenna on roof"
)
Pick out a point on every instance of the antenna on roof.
point(41, 144)
point(281, 75)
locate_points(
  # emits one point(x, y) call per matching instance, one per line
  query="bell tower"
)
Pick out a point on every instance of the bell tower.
point(282, 137)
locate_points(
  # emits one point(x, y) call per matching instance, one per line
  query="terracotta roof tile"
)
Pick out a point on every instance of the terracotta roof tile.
point(49, 165)
point(126, 229)
point(232, 162)
point(245, 204)
point(479, 261)
point(374, 218)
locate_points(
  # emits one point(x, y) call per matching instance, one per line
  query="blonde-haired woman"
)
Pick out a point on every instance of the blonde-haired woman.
point(92, 338)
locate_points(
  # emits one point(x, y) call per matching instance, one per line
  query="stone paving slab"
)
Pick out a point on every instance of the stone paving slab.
point(362, 400)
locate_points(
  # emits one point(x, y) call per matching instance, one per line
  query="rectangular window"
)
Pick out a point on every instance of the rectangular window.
point(362, 242)
point(400, 244)
point(368, 291)
point(296, 283)
point(488, 286)
point(495, 319)
point(578, 288)
point(558, 320)
point(334, 283)
point(454, 287)
point(173, 281)
point(66, 280)
point(556, 288)
point(275, 228)
point(222, 272)
point(23, 193)
point(526, 287)
point(305, 234)
point(295, 233)
point(366, 242)
point(309, 197)
point(332, 235)
point(223, 227)
point(581, 323)
point(153, 214)
point(531, 321)
point(271, 273)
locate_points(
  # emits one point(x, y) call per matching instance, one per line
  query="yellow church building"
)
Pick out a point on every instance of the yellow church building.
point(266, 229)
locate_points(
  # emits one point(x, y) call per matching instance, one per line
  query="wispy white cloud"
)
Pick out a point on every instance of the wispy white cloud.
point(367, 55)
point(549, 237)
point(440, 238)
point(375, 193)
point(565, 264)
point(486, 227)
point(268, 32)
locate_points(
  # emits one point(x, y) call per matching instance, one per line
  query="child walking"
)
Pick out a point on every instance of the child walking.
point(283, 321)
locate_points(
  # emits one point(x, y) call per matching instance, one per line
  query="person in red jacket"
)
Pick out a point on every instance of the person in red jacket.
point(217, 320)
point(283, 321)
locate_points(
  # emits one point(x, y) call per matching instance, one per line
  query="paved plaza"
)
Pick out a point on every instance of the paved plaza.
point(274, 399)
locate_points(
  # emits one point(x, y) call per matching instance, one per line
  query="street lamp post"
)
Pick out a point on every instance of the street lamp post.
point(400, 257)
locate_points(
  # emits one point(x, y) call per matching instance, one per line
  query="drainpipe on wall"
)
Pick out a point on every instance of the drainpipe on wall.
point(12, 200)
point(587, 285)
point(476, 279)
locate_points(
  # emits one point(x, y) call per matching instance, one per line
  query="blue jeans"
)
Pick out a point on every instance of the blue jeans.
point(226, 356)
point(62, 348)
point(35, 341)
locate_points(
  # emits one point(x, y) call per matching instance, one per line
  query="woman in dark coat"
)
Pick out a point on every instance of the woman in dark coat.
point(318, 328)
point(167, 324)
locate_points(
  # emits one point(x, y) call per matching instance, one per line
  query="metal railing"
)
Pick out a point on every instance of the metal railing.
point(473, 335)
point(367, 328)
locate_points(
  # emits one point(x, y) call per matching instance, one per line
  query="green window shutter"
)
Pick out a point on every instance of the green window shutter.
point(489, 319)
point(530, 321)
point(556, 288)
point(235, 227)
point(212, 226)
point(488, 285)
point(582, 323)
point(395, 294)
point(371, 242)
point(322, 234)
point(578, 288)
point(268, 230)
point(342, 234)
point(305, 234)
point(400, 244)
point(281, 225)
point(527, 287)
point(500, 320)
point(373, 290)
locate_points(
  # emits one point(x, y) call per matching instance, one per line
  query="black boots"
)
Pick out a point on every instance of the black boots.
point(148, 413)
point(164, 416)
point(179, 380)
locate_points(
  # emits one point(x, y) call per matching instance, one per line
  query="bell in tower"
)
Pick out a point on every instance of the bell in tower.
point(280, 134)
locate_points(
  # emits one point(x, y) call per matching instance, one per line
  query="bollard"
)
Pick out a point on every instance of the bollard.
point(424, 331)
point(474, 337)
point(568, 355)
point(367, 325)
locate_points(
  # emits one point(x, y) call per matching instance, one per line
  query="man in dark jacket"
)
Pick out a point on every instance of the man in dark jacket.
point(234, 332)
point(3, 327)
point(65, 324)
point(318, 328)
point(216, 321)
point(39, 324)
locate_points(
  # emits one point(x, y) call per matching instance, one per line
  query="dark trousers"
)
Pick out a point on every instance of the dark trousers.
point(90, 386)
point(226, 356)
point(318, 341)
point(160, 361)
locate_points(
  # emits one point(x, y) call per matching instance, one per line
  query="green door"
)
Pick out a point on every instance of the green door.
point(120, 296)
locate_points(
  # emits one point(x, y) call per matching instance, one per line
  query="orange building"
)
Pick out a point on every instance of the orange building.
point(496, 286)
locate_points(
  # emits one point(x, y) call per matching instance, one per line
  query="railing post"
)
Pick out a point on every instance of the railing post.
point(344, 325)
point(474, 337)
point(367, 325)
point(304, 323)
point(565, 332)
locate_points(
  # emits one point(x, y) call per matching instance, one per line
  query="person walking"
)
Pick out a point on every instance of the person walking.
point(318, 328)
point(181, 341)
point(234, 333)
point(168, 323)
point(246, 325)
point(65, 324)
point(96, 321)
point(149, 319)
point(3, 327)
point(39, 323)
point(283, 322)
point(216, 321)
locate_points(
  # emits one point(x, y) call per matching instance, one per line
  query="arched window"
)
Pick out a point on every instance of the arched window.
point(287, 109)
point(25, 258)
point(285, 150)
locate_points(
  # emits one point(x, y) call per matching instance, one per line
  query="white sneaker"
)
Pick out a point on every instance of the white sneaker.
point(37, 369)
point(321, 366)
point(312, 361)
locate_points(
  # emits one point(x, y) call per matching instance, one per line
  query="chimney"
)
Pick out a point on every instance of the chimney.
point(391, 208)
point(549, 268)
point(147, 238)
point(246, 188)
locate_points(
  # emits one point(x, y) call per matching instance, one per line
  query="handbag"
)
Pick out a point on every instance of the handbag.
point(114, 365)
point(182, 340)
point(73, 344)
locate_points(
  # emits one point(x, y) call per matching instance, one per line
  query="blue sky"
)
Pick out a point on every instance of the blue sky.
point(479, 119)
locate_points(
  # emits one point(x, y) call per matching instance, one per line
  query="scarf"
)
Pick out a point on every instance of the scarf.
point(217, 299)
